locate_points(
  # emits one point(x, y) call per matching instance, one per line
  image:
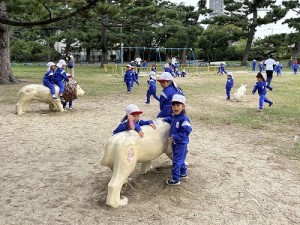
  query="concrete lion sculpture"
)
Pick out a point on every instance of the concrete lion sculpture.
point(40, 93)
point(124, 150)
point(240, 94)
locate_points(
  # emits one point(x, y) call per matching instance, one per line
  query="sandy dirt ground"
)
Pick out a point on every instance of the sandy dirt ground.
point(51, 174)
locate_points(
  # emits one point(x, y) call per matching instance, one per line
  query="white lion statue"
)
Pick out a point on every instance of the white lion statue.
point(125, 149)
point(40, 93)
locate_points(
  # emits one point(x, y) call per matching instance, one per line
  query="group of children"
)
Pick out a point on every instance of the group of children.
point(260, 86)
point(174, 70)
point(131, 76)
point(56, 75)
point(173, 111)
point(277, 68)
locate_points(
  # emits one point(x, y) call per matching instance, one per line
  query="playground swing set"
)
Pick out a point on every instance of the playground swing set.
point(158, 51)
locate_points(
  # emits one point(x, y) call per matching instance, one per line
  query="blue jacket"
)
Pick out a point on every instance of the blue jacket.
point(261, 88)
point(165, 101)
point(49, 76)
point(124, 126)
point(229, 83)
point(152, 85)
point(278, 68)
point(180, 128)
point(135, 76)
point(128, 75)
point(60, 75)
point(168, 69)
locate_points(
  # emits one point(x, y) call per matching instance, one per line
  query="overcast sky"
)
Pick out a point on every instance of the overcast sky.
point(274, 28)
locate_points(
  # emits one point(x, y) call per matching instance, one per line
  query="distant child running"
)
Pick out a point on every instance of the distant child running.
point(295, 67)
point(151, 87)
point(128, 78)
point(168, 84)
point(49, 77)
point(145, 65)
point(261, 67)
point(135, 75)
point(253, 65)
point(278, 68)
point(221, 69)
point(153, 68)
point(261, 87)
point(179, 137)
point(131, 121)
point(229, 84)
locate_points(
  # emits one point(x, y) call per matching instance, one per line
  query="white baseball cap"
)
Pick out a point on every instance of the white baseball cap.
point(165, 76)
point(49, 64)
point(128, 65)
point(230, 74)
point(179, 98)
point(132, 109)
point(59, 65)
point(62, 62)
point(152, 74)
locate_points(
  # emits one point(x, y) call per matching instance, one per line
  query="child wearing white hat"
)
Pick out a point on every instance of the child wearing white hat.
point(128, 78)
point(48, 78)
point(59, 77)
point(132, 121)
point(168, 84)
point(229, 84)
point(179, 137)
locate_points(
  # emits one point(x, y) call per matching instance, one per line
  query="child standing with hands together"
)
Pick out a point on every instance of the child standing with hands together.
point(179, 137)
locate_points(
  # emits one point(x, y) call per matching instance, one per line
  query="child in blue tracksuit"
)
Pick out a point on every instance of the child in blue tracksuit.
point(253, 65)
point(295, 67)
point(261, 67)
point(135, 76)
point(153, 68)
point(179, 137)
point(222, 70)
point(261, 87)
point(144, 65)
point(48, 78)
point(278, 69)
point(229, 84)
point(128, 79)
point(132, 121)
point(166, 81)
point(59, 77)
point(151, 87)
point(169, 69)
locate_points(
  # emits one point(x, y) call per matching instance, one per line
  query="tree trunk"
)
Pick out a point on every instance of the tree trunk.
point(251, 34)
point(296, 51)
point(6, 75)
point(88, 54)
point(139, 44)
point(103, 44)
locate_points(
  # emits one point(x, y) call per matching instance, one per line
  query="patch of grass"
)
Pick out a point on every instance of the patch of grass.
point(292, 153)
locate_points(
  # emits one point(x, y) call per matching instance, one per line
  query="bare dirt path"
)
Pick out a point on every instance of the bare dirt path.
point(50, 172)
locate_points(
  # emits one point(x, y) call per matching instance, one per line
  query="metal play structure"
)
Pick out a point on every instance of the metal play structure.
point(158, 52)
